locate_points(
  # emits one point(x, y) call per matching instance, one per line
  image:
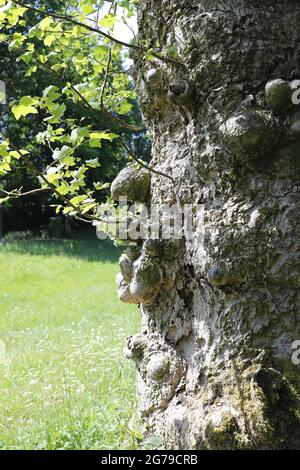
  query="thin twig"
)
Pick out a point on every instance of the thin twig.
point(105, 79)
point(16, 194)
point(140, 162)
point(67, 7)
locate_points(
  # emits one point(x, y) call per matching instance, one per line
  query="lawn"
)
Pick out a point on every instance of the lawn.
point(64, 383)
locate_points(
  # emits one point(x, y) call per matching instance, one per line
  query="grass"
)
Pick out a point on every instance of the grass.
point(64, 383)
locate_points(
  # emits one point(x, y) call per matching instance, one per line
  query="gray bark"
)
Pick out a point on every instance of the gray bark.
point(214, 354)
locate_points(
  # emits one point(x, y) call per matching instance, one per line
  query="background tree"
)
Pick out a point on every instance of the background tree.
point(219, 311)
point(26, 75)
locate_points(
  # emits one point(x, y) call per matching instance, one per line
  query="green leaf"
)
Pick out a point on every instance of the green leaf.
point(4, 148)
point(31, 71)
point(53, 175)
point(77, 200)
point(93, 163)
point(59, 154)
point(49, 40)
point(17, 154)
point(57, 67)
point(63, 189)
point(124, 108)
point(96, 137)
point(51, 92)
point(57, 113)
point(108, 21)
point(79, 134)
point(17, 41)
point(26, 57)
point(3, 199)
point(99, 186)
point(87, 9)
point(45, 23)
point(26, 106)
point(88, 207)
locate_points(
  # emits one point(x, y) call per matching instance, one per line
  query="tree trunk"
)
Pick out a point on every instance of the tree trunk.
point(214, 356)
point(68, 227)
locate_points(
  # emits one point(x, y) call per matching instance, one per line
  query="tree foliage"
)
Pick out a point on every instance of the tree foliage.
point(72, 125)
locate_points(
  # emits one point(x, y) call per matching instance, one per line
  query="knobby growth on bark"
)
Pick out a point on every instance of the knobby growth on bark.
point(220, 312)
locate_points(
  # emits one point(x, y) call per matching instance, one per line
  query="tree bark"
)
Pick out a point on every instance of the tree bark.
point(214, 354)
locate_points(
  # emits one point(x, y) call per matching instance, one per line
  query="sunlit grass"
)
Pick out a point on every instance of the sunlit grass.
point(64, 383)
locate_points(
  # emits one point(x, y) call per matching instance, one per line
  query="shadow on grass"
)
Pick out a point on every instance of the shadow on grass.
point(89, 250)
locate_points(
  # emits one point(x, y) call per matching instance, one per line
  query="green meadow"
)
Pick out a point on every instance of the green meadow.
point(64, 382)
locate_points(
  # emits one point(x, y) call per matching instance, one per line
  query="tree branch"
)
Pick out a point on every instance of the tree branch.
point(51, 186)
point(105, 79)
point(16, 194)
point(140, 162)
point(114, 118)
point(100, 32)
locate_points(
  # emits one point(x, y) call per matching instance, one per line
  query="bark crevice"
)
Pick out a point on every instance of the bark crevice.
point(221, 331)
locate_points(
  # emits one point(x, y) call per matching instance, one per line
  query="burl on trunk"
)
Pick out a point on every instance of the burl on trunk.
point(220, 311)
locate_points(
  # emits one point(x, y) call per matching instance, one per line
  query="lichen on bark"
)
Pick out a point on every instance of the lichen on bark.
point(225, 323)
